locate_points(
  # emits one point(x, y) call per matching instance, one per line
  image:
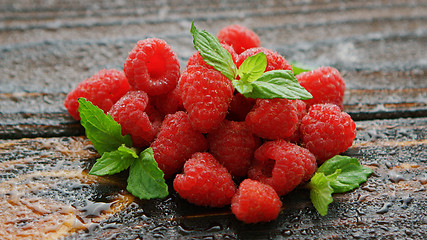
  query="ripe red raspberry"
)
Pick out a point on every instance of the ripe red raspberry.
point(152, 66)
point(273, 118)
point(176, 142)
point(168, 103)
point(102, 89)
point(196, 58)
point(239, 37)
point(130, 112)
point(240, 106)
point(155, 117)
point(233, 145)
point(275, 61)
point(302, 111)
point(282, 165)
point(327, 131)
point(325, 85)
point(255, 202)
point(206, 95)
point(205, 182)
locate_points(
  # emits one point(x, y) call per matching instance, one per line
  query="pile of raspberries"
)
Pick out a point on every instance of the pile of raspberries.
point(219, 147)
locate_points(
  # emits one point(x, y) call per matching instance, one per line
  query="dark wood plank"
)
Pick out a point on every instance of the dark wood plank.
point(46, 193)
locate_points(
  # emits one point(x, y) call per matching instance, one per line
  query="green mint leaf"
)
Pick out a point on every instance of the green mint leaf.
point(278, 84)
point(101, 129)
point(352, 173)
point(114, 162)
point(298, 68)
point(145, 179)
point(336, 175)
point(131, 151)
point(321, 191)
point(253, 67)
point(242, 86)
point(213, 53)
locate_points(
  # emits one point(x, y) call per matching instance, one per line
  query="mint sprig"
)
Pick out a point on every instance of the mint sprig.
point(336, 175)
point(104, 133)
point(145, 179)
point(253, 81)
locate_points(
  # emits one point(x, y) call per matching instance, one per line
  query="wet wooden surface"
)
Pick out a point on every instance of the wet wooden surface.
point(47, 47)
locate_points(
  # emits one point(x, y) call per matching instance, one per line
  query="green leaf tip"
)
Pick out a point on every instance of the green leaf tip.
point(145, 179)
point(336, 175)
point(278, 84)
point(298, 68)
point(213, 53)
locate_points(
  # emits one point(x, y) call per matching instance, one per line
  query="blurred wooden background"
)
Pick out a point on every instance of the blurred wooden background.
point(47, 47)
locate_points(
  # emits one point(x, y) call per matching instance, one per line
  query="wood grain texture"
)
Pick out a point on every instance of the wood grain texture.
point(47, 47)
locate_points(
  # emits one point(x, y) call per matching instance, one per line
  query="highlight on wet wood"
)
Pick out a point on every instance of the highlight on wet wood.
point(47, 48)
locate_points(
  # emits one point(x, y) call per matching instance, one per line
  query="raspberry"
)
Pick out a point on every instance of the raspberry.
point(239, 37)
point(205, 182)
point(274, 60)
point(255, 202)
point(196, 58)
point(168, 103)
point(155, 117)
point(152, 66)
point(325, 85)
point(282, 165)
point(206, 95)
point(302, 111)
point(130, 112)
point(176, 142)
point(240, 106)
point(233, 145)
point(327, 131)
point(273, 118)
point(102, 89)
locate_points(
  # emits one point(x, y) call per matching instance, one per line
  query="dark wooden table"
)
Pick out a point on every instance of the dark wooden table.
point(47, 47)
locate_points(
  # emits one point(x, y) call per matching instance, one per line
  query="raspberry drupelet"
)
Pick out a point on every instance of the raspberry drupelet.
point(239, 37)
point(152, 66)
point(282, 165)
point(206, 95)
point(205, 182)
point(103, 89)
point(325, 85)
point(327, 131)
point(255, 202)
point(176, 142)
